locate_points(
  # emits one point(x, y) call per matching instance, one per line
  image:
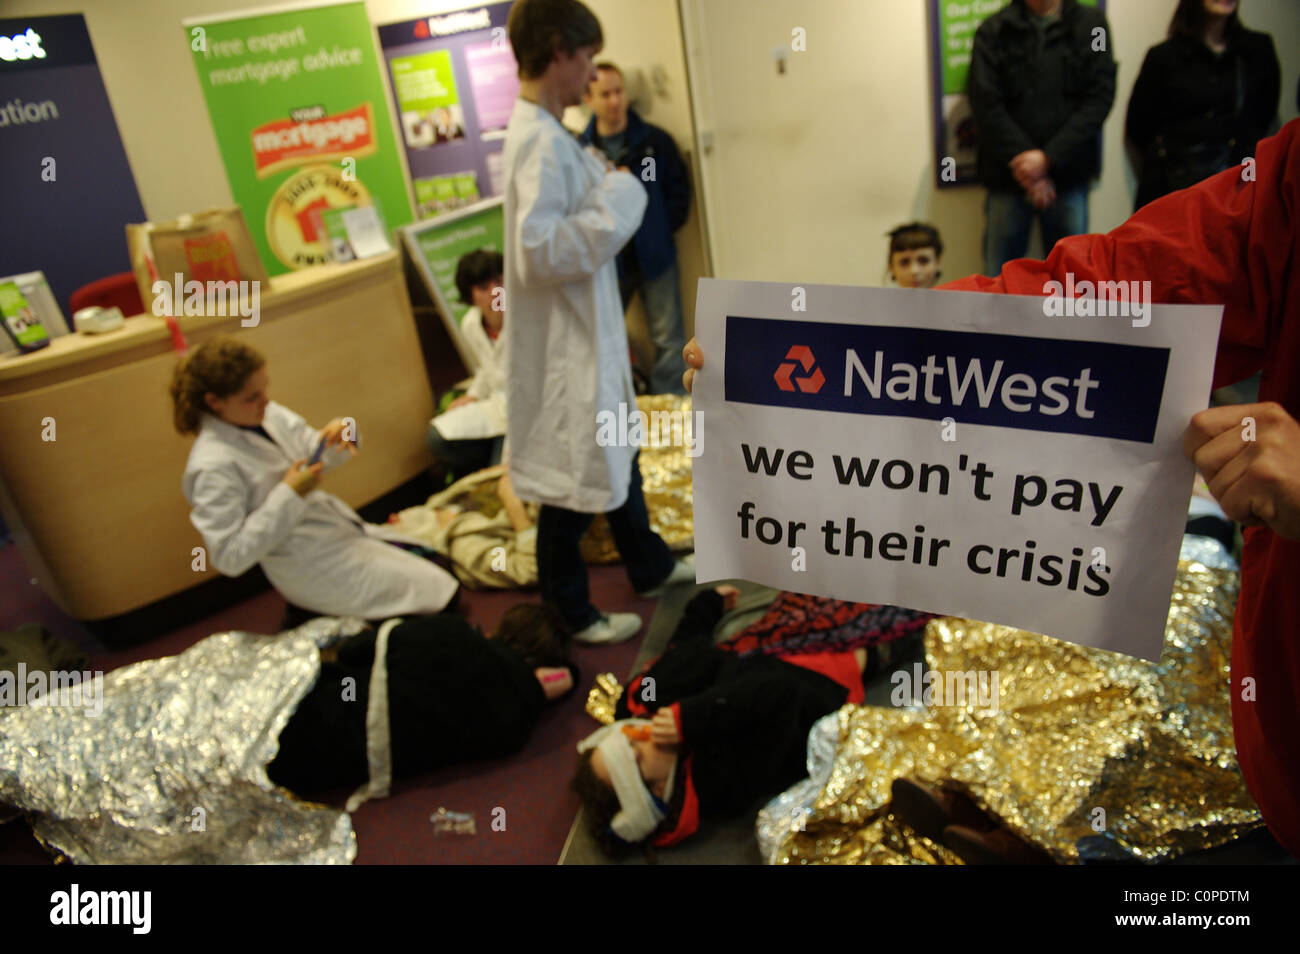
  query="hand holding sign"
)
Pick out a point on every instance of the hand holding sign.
point(1250, 456)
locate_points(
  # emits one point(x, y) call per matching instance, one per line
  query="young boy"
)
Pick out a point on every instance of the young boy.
point(915, 254)
point(567, 214)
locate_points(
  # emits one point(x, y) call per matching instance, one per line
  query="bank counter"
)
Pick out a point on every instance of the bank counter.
point(98, 511)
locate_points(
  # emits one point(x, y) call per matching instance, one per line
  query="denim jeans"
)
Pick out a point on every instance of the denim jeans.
point(662, 296)
point(1009, 218)
point(561, 571)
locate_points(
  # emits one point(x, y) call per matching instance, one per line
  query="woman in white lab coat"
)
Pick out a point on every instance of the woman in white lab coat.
point(255, 498)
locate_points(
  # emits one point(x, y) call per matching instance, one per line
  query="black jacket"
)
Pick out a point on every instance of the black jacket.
point(1193, 113)
point(453, 696)
point(1042, 89)
point(668, 193)
point(745, 720)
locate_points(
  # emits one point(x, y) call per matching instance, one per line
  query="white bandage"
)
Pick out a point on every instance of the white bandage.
point(639, 814)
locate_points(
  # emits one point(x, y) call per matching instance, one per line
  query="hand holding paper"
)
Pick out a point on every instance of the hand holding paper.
point(1250, 456)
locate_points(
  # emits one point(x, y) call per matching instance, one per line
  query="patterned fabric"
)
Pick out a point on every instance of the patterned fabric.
point(798, 623)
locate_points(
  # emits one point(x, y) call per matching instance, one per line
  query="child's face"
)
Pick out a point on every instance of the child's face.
point(574, 73)
point(915, 268)
point(247, 407)
point(654, 761)
point(486, 296)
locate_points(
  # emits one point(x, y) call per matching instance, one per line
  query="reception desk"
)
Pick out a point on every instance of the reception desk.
point(91, 464)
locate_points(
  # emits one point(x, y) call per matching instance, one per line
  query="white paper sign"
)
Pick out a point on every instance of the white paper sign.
point(961, 453)
point(365, 231)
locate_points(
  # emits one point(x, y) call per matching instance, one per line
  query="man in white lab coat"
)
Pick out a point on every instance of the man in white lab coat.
point(567, 214)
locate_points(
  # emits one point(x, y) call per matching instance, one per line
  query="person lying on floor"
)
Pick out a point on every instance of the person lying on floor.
point(490, 550)
point(453, 696)
point(724, 730)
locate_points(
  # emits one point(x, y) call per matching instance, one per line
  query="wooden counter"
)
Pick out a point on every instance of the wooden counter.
point(98, 512)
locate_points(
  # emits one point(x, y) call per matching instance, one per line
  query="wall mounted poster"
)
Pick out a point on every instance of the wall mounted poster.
point(298, 107)
point(67, 181)
point(436, 247)
point(952, 38)
point(455, 82)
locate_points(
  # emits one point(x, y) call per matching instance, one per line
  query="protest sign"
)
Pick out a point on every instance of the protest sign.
point(1004, 458)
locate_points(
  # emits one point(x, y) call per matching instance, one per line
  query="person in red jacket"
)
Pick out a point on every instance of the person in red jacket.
point(1231, 240)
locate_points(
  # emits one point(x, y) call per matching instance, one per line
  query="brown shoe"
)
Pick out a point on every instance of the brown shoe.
point(996, 847)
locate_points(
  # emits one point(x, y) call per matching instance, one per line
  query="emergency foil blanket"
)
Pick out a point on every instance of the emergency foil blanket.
point(1087, 753)
point(173, 769)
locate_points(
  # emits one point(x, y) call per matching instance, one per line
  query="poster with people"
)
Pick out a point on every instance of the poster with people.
point(455, 82)
point(298, 108)
point(1011, 459)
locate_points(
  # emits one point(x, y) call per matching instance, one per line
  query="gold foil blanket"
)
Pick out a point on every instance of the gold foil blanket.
point(1083, 746)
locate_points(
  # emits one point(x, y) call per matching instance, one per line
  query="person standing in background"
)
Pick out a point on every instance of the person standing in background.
point(649, 262)
point(567, 214)
point(1203, 98)
point(1042, 81)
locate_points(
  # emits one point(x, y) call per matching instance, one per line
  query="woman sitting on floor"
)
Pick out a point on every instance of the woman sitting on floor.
point(726, 729)
point(252, 483)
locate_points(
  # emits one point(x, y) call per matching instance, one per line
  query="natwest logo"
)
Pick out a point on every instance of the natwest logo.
point(21, 46)
point(810, 384)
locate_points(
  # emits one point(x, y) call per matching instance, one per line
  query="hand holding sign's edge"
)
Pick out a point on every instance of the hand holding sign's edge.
point(1250, 457)
point(695, 358)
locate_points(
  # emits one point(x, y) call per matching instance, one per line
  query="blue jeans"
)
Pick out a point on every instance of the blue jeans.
point(561, 570)
point(1009, 218)
point(662, 296)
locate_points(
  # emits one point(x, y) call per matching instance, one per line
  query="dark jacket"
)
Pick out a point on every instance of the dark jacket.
point(744, 720)
point(669, 194)
point(453, 696)
point(1193, 113)
point(1041, 89)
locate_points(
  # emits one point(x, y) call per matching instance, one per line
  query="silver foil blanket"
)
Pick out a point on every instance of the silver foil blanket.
point(173, 767)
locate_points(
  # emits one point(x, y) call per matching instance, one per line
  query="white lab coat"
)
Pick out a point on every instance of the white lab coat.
point(485, 416)
point(476, 337)
point(566, 355)
point(316, 551)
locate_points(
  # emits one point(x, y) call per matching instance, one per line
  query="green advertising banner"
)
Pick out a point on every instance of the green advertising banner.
point(298, 107)
point(436, 246)
point(952, 27)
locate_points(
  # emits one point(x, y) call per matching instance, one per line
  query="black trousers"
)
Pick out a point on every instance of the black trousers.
point(562, 573)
